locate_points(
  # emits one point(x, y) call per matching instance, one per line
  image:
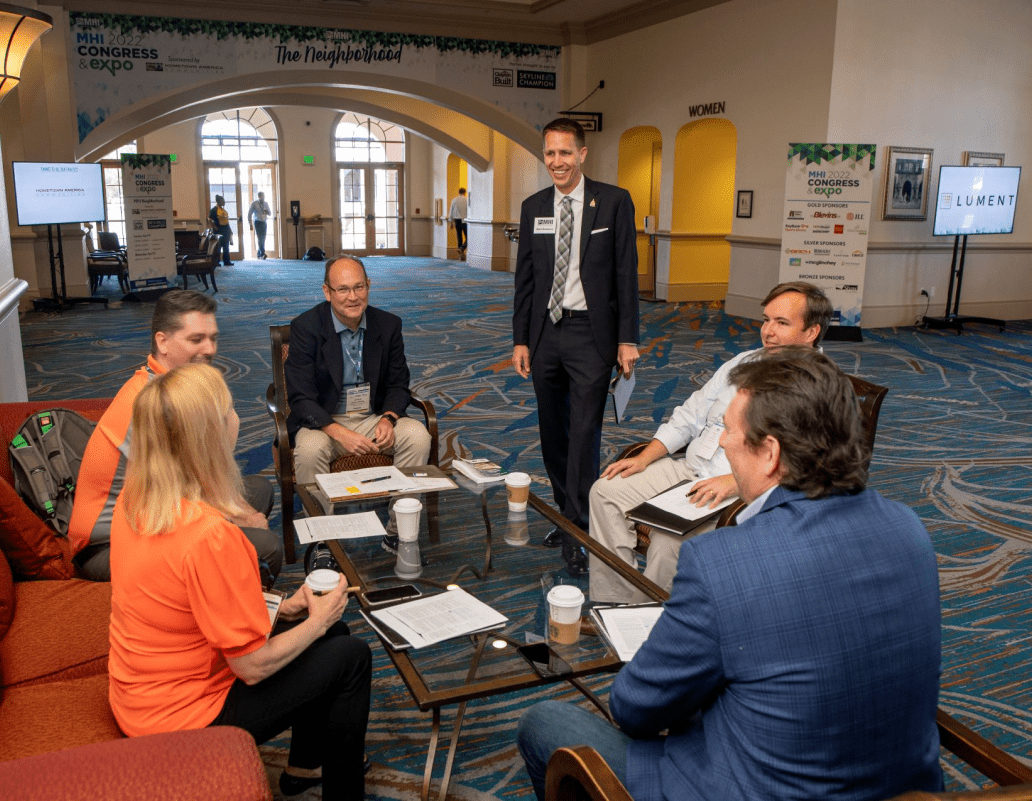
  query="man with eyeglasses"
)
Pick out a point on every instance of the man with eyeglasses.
point(348, 381)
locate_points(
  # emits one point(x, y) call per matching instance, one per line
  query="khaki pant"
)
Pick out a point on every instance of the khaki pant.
point(314, 451)
point(609, 501)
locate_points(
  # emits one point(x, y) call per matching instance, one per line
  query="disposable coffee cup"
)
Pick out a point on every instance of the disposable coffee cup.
point(322, 581)
point(517, 531)
point(517, 485)
point(406, 512)
point(564, 613)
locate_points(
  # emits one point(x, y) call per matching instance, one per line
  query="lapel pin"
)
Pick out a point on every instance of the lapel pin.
point(591, 205)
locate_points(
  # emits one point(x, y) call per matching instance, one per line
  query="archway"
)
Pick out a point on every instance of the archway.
point(703, 210)
point(638, 171)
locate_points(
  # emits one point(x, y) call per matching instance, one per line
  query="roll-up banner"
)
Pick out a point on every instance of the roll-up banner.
point(827, 216)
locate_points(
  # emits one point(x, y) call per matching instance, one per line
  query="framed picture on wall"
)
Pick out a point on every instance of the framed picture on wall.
point(744, 203)
point(907, 174)
point(972, 158)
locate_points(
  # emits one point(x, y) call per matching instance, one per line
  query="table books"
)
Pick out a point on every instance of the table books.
point(479, 470)
point(673, 511)
point(432, 619)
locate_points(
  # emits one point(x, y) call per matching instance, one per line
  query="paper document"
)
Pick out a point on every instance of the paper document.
point(621, 392)
point(627, 627)
point(338, 527)
point(367, 481)
point(432, 483)
point(676, 501)
point(435, 618)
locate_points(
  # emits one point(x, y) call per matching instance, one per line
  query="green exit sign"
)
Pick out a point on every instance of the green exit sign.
point(172, 157)
point(308, 159)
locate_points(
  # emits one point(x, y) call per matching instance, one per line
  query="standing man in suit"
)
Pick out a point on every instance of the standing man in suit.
point(348, 382)
point(575, 317)
point(799, 653)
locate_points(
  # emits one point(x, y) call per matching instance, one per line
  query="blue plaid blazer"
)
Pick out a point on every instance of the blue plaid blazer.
point(798, 658)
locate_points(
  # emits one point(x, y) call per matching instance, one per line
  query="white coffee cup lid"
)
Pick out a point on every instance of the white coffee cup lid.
point(407, 505)
point(517, 479)
point(565, 595)
point(323, 579)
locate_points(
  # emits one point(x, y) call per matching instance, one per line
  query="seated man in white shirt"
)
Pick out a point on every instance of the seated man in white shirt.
point(794, 313)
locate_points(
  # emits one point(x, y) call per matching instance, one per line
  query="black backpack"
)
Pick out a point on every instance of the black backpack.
point(45, 454)
point(314, 254)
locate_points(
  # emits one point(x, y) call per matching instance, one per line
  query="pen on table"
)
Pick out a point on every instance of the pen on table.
point(373, 480)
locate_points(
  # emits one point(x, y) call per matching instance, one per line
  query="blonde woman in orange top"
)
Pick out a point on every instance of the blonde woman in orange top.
point(190, 634)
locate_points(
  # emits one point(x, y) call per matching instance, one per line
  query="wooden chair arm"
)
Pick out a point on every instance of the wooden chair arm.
point(632, 450)
point(430, 415)
point(571, 769)
point(981, 754)
point(282, 440)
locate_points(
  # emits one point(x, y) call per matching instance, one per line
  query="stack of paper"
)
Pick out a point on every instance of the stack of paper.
point(433, 618)
point(479, 470)
point(626, 627)
point(368, 481)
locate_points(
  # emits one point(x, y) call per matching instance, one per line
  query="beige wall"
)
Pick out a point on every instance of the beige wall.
point(770, 62)
point(961, 79)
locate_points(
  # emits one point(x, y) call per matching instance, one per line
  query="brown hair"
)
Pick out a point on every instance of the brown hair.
point(818, 307)
point(565, 125)
point(345, 257)
point(802, 399)
point(172, 307)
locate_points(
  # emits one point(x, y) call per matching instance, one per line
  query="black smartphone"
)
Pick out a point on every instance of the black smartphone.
point(392, 594)
point(543, 660)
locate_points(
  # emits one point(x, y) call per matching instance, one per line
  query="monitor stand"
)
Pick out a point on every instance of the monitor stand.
point(59, 301)
point(953, 319)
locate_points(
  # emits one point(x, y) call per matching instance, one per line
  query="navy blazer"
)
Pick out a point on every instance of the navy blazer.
point(797, 658)
point(608, 268)
point(314, 369)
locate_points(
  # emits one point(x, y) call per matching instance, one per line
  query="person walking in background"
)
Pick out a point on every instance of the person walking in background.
point(219, 218)
point(457, 214)
point(257, 216)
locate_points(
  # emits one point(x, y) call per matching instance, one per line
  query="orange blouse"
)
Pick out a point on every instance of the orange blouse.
point(180, 604)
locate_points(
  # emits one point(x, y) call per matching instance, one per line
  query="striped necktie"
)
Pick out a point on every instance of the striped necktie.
point(562, 260)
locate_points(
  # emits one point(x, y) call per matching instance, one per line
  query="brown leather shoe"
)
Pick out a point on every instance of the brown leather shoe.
point(587, 627)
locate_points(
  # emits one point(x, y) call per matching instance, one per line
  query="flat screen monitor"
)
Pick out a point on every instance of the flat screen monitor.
point(48, 193)
point(976, 200)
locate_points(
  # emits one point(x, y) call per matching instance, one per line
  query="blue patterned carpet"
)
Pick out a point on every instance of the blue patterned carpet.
point(953, 443)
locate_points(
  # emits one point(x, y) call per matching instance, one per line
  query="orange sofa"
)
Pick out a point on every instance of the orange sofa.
point(54, 683)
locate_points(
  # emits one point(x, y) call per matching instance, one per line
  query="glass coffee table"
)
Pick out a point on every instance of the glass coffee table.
point(469, 538)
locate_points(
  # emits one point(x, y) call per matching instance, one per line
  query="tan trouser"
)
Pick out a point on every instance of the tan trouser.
point(609, 501)
point(314, 451)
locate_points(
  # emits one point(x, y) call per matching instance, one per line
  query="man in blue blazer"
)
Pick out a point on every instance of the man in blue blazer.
point(799, 654)
point(348, 381)
point(575, 317)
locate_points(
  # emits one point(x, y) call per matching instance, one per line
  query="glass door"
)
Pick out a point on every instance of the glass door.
point(224, 179)
point(371, 203)
point(353, 229)
point(262, 178)
point(387, 230)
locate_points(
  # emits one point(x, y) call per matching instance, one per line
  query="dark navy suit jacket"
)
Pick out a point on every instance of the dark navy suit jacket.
point(314, 368)
point(797, 658)
point(608, 268)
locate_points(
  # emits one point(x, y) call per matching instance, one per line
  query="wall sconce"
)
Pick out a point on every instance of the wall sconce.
point(20, 28)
